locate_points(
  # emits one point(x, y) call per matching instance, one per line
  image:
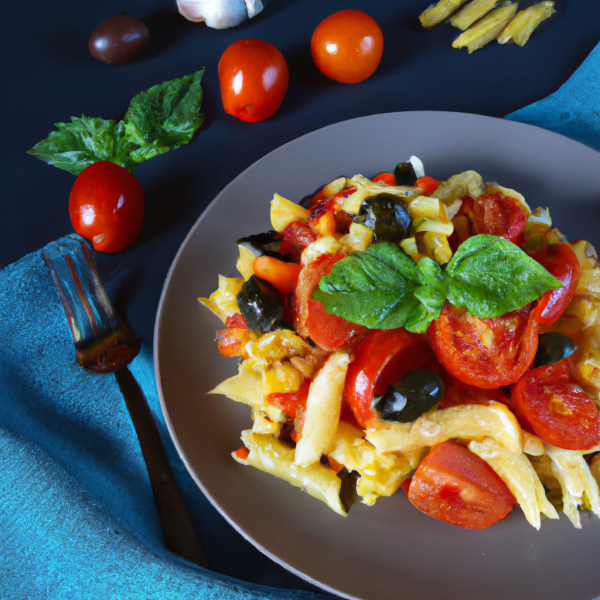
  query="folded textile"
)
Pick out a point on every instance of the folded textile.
point(77, 512)
point(573, 110)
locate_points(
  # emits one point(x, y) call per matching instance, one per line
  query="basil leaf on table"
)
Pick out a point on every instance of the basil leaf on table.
point(84, 141)
point(376, 288)
point(490, 276)
point(164, 117)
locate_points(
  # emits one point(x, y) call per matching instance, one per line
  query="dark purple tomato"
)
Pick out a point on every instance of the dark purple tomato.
point(119, 39)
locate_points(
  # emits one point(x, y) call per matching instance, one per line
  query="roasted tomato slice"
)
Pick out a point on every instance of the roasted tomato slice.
point(486, 353)
point(296, 236)
point(456, 486)
point(458, 393)
point(310, 319)
point(381, 359)
point(559, 260)
point(496, 214)
point(557, 409)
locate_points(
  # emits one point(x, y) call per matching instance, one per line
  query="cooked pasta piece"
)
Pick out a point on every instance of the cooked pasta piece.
point(244, 262)
point(268, 454)
point(575, 478)
point(284, 212)
point(520, 477)
point(246, 387)
point(468, 421)
point(323, 407)
point(468, 183)
point(380, 474)
point(365, 188)
point(223, 302)
point(532, 444)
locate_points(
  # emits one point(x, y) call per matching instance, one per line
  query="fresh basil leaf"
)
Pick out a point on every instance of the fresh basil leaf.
point(431, 295)
point(164, 117)
point(490, 276)
point(372, 288)
point(84, 141)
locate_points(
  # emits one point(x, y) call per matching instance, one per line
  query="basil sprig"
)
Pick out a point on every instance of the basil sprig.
point(383, 288)
point(162, 118)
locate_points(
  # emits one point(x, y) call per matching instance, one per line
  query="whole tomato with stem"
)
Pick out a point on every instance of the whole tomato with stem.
point(253, 77)
point(347, 46)
point(106, 206)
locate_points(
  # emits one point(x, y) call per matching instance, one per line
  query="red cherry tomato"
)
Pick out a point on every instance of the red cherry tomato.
point(427, 185)
point(560, 261)
point(486, 353)
point(387, 178)
point(496, 214)
point(296, 236)
point(456, 486)
point(347, 46)
point(556, 408)
point(253, 76)
point(382, 358)
point(106, 206)
point(328, 331)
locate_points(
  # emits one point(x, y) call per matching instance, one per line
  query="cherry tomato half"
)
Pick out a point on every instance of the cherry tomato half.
point(253, 76)
point(381, 359)
point(486, 353)
point(458, 393)
point(496, 214)
point(456, 486)
point(347, 46)
point(328, 331)
point(559, 260)
point(106, 206)
point(558, 410)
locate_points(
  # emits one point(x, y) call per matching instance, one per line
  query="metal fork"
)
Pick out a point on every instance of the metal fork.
point(105, 344)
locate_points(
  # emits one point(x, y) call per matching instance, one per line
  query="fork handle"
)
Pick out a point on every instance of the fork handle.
point(178, 529)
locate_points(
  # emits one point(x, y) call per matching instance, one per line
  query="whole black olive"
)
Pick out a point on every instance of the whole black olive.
point(261, 304)
point(415, 394)
point(552, 347)
point(119, 39)
point(387, 216)
point(404, 174)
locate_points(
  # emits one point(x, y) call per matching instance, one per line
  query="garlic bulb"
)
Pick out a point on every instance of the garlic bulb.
point(219, 14)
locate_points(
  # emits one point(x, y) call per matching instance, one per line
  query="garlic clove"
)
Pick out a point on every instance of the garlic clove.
point(218, 14)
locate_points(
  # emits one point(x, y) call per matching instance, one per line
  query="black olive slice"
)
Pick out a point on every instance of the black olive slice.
point(552, 347)
point(261, 304)
point(404, 174)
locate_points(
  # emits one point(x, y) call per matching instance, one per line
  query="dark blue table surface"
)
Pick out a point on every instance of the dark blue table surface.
point(49, 75)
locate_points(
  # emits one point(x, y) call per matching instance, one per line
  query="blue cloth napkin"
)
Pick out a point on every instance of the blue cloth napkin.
point(574, 110)
point(77, 514)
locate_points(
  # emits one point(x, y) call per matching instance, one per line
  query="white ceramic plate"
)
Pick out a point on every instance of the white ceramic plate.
point(390, 550)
